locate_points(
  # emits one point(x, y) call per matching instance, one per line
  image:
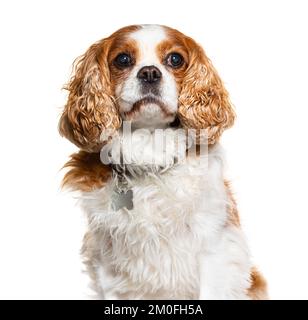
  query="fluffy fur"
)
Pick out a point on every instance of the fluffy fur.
point(182, 239)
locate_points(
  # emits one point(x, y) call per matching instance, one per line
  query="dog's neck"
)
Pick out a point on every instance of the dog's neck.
point(146, 152)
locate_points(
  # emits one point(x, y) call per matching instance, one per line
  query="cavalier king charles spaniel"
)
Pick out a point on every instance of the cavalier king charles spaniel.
point(162, 221)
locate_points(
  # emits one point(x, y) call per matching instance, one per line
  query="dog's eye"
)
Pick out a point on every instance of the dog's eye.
point(123, 60)
point(175, 60)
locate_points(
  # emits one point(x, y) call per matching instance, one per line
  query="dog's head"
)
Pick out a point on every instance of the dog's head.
point(151, 75)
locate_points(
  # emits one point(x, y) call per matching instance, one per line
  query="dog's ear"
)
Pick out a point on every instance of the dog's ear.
point(203, 100)
point(90, 109)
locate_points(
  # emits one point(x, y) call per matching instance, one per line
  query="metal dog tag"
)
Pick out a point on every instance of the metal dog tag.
point(122, 199)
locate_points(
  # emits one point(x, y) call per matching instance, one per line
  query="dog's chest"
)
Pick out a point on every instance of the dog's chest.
point(156, 243)
point(155, 205)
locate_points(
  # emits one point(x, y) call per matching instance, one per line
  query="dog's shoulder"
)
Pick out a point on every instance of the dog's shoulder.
point(85, 172)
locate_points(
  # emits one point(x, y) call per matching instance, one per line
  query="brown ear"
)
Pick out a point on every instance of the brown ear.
point(203, 101)
point(90, 109)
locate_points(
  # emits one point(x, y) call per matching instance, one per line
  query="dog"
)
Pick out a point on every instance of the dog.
point(162, 229)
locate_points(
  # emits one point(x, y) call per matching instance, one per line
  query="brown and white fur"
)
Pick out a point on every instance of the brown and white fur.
point(182, 239)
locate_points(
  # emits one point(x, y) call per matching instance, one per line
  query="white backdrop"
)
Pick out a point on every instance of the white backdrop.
point(260, 50)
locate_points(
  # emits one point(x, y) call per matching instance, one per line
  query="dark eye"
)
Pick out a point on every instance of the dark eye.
point(175, 60)
point(123, 60)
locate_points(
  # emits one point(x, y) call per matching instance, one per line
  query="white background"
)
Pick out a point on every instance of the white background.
point(260, 50)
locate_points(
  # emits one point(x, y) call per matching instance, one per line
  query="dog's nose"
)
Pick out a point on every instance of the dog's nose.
point(149, 74)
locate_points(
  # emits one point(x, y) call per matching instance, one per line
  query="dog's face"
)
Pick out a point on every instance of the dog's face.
point(151, 75)
point(146, 68)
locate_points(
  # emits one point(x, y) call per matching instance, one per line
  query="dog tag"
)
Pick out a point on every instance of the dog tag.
point(122, 199)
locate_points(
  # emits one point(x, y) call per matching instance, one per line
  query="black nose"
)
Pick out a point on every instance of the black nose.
point(149, 74)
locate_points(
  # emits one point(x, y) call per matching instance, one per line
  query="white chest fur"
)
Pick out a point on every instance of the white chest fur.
point(174, 243)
